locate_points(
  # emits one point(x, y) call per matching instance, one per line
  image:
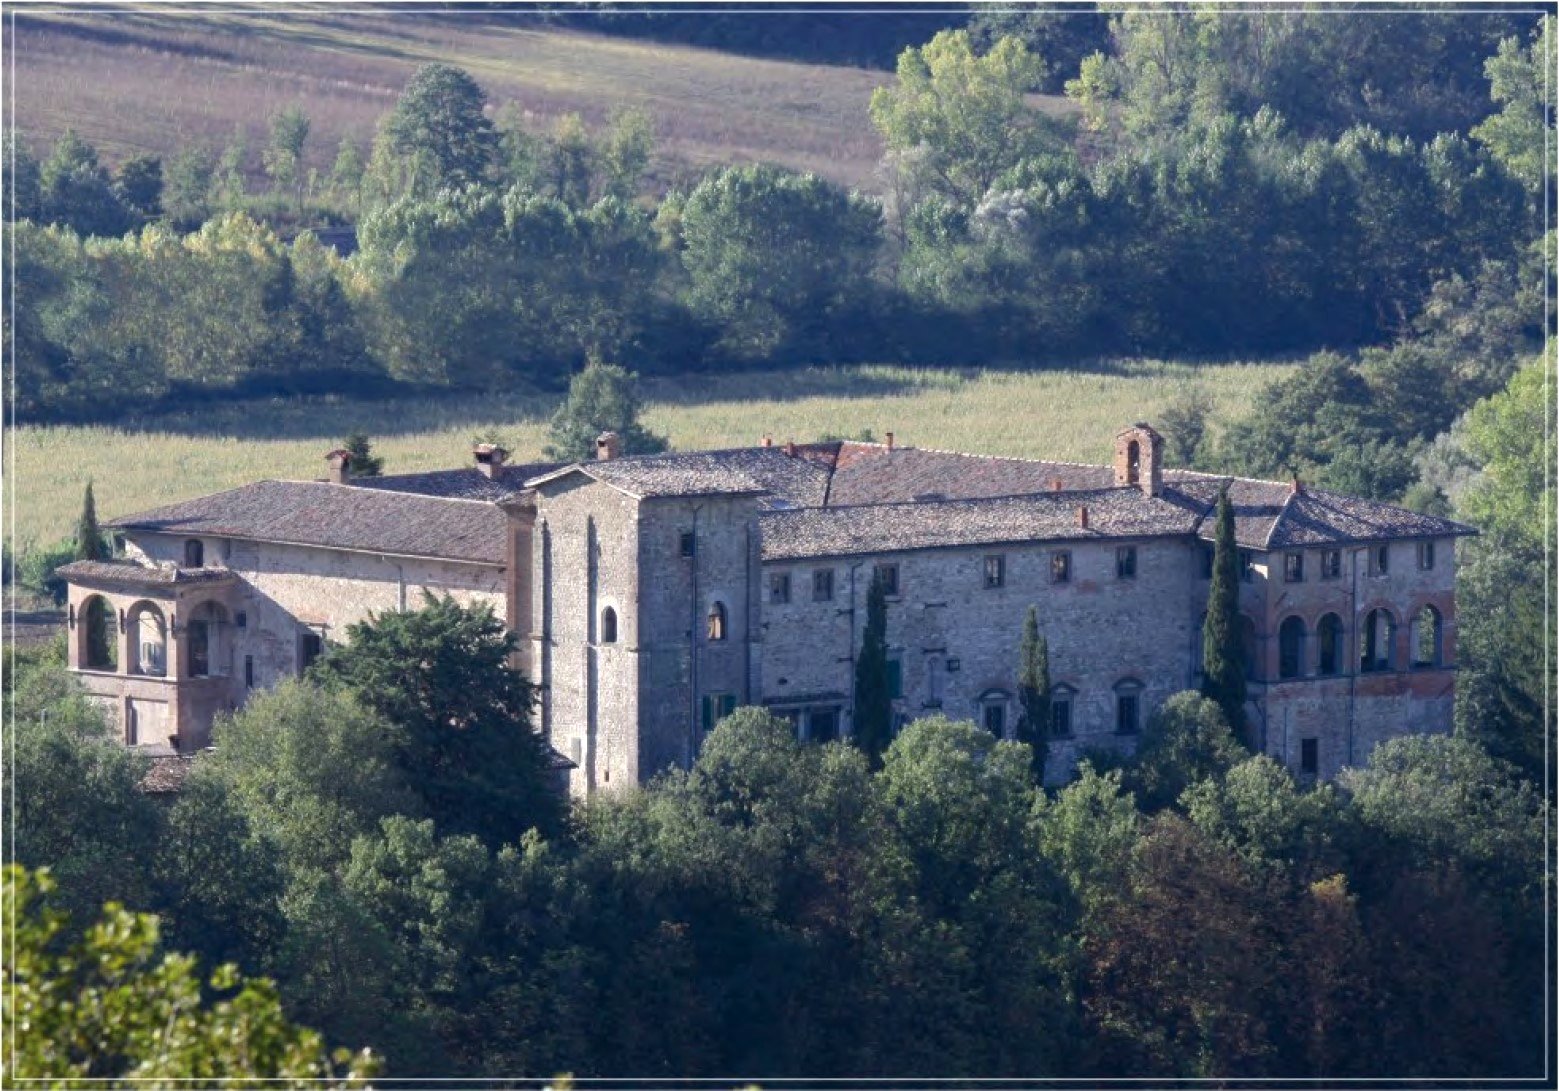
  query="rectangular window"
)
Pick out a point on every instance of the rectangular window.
point(1380, 560)
point(1061, 717)
point(685, 543)
point(1126, 563)
point(1126, 713)
point(1207, 562)
point(1309, 756)
point(1293, 568)
point(714, 708)
point(823, 585)
point(1425, 556)
point(889, 575)
point(1061, 566)
point(779, 588)
point(249, 671)
point(310, 647)
point(1331, 564)
point(996, 720)
point(240, 620)
point(995, 570)
point(823, 725)
point(1247, 566)
point(895, 678)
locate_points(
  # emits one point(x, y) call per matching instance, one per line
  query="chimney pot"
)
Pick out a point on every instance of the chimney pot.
point(790, 448)
point(1055, 484)
point(608, 445)
point(1299, 486)
point(489, 458)
point(768, 441)
point(1082, 516)
point(340, 465)
point(890, 440)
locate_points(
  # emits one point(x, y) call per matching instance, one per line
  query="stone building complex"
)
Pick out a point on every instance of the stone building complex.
point(654, 594)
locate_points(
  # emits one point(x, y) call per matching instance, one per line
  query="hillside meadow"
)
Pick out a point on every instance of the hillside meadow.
point(1063, 414)
point(162, 79)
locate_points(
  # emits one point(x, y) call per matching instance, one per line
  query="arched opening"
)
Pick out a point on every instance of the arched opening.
point(1378, 638)
point(98, 635)
point(194, 553)
point(1251, 661)
point(1128, 706)
point(608, 626)
point(1427, 638)
point(1328, 638)
point(148, 639)
point(210, 642)
point(993, 712)
point(1133, 462)
point(1291, 648)
point(717, 621)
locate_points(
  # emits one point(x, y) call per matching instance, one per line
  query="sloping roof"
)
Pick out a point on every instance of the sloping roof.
point(465, 483)
point(1318, 516)
point(873, 474)
point(1051, 516)
point(802, 481)
point(88, 573)
point(338, 517)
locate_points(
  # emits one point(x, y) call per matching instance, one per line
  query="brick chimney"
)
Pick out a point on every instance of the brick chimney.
point(889, 436)
point(608, 445)
point(1055, 484)
point(1139, 458)
point(768, 441)
point(1082, 516)
point(790, 448)
point(340, 466)
point(1298, 487)
point(489, 458)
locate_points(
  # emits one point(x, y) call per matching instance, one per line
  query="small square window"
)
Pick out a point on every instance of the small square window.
point(823, 585)
point(889, 575)
point(779, 588)
point(1309, 756)
point(1126, 563)
point(1331, 564)
point(1061, 566)
point(995, 570)
point(1293, 568)
point(685, 543)
point(1247, 566)
point(1426, 556)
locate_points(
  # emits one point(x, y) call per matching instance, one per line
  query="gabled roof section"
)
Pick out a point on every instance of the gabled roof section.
point(875, 474)
point(799, 479)
point(127, 573)
point(1118, 513)
point(317, 513)
point(465, 483)
point(1319, 517)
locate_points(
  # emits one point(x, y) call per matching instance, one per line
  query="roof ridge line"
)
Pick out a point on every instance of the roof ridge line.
point(1008, 458)
point(1036, 494)
point(365, 488)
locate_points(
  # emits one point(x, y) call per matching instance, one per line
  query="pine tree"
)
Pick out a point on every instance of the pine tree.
point(1223, 658)
point(89, 536)
point(363, 462)
point(873, 704)
point(1034, 693)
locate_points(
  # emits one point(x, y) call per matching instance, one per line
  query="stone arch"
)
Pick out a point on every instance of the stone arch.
point(1377, 641)
point(148, 631)
point(1329, 645)
point(608, 626)
point(1292, 637)
point(1426, 637)
point(97, 634)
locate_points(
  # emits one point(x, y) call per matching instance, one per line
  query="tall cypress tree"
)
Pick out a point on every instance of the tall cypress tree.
point(1034, 693)
point(89, 536)
point(873, 717)
point(1223, 658)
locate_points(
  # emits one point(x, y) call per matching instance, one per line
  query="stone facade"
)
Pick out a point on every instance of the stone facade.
point(653, 595)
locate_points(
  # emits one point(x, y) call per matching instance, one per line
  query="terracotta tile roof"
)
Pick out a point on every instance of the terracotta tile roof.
point(465, 483)
point(1318, 516)
point(166, 773)
point(798, 480)
point(89, 573)
point(339, 517)
point(1049, 516)
point(872, 474)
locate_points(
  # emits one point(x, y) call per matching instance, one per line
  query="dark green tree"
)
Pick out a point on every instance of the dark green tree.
point(439, 125)
point(1034, 693)
point(872, 726)
point(1187, 741)
point(364, 462)
point(461, 716)
point(19, 174)
point(187, 184)
point(89, 536)
point(76, 190)
point(601, 398)
point(1223, 655)
point(139, 186)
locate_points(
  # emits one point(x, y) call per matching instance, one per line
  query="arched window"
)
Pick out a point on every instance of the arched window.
point(1426, 638)
point(993, 712)
point(717, 624)
point(1291, 648)
point(1133, 462)
point(1377, 641)
point(1328, 638)
point(194, 553)
point(1248, 653)
point(98, 635)
point(608, 626)
point(148, 639)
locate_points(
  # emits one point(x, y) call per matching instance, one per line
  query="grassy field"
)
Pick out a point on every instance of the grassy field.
point(141, 80)
point(1064, 414)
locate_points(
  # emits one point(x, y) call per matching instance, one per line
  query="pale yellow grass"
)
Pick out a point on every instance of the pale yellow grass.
point(1068, 414)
